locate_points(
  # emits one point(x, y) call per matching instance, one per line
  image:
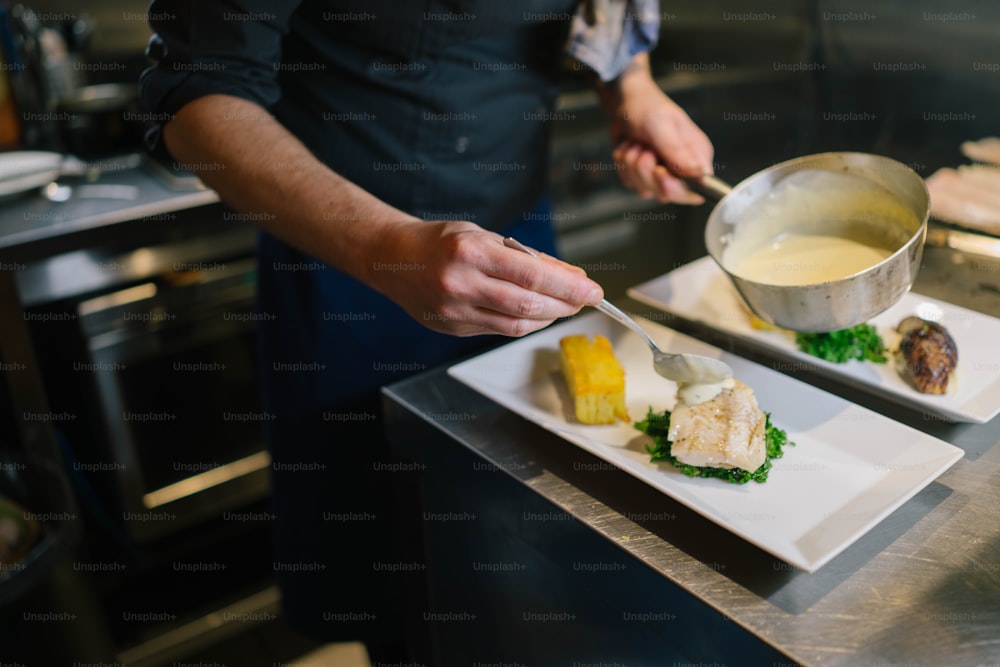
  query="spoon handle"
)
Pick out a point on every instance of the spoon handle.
point(604, 306)
point(616, 314)
point(513, 243)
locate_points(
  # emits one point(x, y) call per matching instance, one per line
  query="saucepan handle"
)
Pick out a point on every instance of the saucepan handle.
point(710, 186)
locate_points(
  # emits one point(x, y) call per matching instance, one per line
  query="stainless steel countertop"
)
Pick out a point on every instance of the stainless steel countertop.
point(921, 588)
point(127, 189)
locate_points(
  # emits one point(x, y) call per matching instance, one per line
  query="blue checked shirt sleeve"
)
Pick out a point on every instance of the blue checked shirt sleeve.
point(607, 34)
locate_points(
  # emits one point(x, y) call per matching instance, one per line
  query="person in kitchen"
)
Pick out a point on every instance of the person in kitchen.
point(386, 150)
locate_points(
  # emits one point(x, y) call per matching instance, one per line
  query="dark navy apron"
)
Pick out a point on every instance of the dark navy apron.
point(442, 109)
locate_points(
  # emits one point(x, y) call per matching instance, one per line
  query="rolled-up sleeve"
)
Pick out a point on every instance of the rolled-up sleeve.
point(204, 47)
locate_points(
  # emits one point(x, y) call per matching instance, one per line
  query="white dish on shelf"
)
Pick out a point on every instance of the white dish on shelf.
point(701, 293)
point(849, 469)
point(21, 171)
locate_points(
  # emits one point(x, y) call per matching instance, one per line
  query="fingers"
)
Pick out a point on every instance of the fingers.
point(485, 287)
point(662, 147)
point(544, 275)
point(625, 155)
point(499, 306)
point(494, 322)
point(685, 149)
point(521, 293)
point(641, 171)
point(673, 189)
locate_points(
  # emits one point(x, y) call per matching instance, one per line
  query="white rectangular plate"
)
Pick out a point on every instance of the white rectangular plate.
point(849, 469)
point(700, 292)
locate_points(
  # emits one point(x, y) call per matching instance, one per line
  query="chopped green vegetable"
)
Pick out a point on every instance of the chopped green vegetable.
point(861, 342)
point(657, 426)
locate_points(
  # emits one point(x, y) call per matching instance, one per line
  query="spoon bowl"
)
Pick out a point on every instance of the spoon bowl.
point(684, 369)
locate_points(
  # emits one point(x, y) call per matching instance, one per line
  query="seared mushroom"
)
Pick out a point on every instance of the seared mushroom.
point(928, 355)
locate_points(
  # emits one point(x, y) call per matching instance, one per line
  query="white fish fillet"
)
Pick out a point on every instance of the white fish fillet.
point(985, 150)
point(965, 197)
point(725, 432)
point(985, 175)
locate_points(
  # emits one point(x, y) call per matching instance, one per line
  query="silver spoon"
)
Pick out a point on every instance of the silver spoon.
point(681, 368)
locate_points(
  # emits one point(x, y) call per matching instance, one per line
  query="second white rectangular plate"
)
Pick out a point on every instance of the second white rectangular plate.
point(700, 292)
point(849, 469)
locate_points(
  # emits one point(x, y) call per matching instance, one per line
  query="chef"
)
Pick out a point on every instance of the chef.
point(385, 148)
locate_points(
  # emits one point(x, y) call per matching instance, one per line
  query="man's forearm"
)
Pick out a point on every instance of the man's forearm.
point(452, 275)
point(257, 166)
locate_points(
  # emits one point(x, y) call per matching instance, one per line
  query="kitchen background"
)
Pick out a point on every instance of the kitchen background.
point(155, 542)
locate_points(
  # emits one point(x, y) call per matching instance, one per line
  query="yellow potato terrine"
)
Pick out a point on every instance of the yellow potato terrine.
point(595, 379)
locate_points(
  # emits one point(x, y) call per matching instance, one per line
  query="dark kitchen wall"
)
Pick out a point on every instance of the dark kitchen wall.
point(929, 71)
point(910, 78)
point(744, 74)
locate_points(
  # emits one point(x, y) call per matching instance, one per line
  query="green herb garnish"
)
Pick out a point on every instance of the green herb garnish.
point(861, 342)
point(657, 425)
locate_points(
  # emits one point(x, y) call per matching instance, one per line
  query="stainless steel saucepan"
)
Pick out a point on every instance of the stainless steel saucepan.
point(871, 198)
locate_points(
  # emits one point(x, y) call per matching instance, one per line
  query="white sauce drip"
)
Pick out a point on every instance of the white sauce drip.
point(694, 393)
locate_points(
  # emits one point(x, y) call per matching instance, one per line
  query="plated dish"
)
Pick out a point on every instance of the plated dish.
point(849, 469)
point(701, 293)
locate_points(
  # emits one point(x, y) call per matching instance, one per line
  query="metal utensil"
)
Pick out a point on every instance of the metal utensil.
point(681, 368)
point(834, 304)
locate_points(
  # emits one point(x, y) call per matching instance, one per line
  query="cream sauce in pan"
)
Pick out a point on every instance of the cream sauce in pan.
point(800, 259)
point(817, 226)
